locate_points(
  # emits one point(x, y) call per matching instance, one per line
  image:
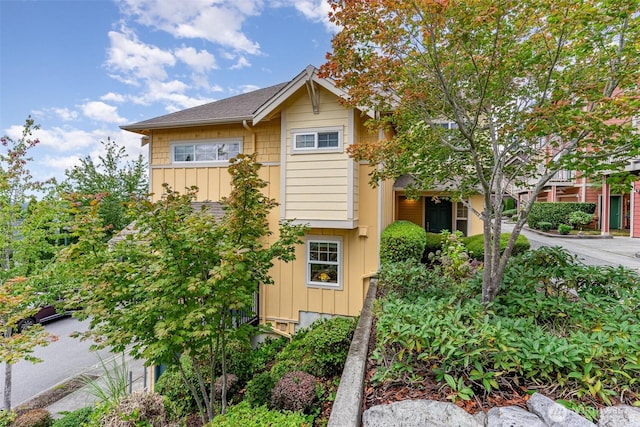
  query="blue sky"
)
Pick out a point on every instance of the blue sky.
point(82, 68)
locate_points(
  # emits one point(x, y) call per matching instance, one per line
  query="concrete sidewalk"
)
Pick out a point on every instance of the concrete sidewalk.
point(86, 397)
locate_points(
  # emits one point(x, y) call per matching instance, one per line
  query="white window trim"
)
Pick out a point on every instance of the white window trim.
point(204, 142)
point(340, 263)
point(315, 149)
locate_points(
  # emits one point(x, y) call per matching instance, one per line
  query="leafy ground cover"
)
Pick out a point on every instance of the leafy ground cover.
point(558, 327)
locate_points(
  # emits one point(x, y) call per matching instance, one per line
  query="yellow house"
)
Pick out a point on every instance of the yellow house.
point(300, 131)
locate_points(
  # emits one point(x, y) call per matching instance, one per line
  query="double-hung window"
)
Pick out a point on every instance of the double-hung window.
point(206, 151)
point(324, 261)
point(317, 140)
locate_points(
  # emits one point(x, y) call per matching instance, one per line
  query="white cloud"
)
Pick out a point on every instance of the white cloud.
point(130, 60)
point(313, 10)
point(65, 114)
point(113, 97)
point(100, 111)
point(248, 88)
point(201, 61)
point(217, 21)
point(242, 63)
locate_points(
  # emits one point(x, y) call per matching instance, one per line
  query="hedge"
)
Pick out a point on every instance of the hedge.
point(556, 212)
point(434, 243)
point(402, 240)
point(475, 245)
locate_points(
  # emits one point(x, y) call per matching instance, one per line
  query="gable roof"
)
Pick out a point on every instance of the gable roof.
point(252, 106)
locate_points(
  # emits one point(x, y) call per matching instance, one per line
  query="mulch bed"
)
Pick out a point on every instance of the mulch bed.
point(54, 394)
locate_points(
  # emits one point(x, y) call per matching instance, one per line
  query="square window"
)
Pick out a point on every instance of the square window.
point(305, 140)
point(324, 261)
point(328, 140)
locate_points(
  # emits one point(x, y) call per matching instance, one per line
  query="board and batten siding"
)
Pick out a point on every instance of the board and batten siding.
point(213, 181)
point(281, 304)
point(320, 186)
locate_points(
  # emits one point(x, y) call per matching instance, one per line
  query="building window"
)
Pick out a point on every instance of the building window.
point(447, 125)
point(462, 217)
point(311, 140)
point(219, 151)
point(324, 261)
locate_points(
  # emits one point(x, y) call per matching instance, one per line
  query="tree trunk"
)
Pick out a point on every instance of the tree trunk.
point(8, 371)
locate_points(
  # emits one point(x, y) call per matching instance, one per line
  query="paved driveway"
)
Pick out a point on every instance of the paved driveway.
point(611, 251)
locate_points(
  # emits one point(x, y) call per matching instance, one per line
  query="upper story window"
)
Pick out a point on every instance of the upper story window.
point(206, 151)
point(317, 140)
point(447, 125)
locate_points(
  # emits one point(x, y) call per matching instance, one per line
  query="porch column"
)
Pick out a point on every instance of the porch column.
point(553, 194)
point(605, 201)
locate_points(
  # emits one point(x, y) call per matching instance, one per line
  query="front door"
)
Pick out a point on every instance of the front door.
point(615, 212)
point(438, 215)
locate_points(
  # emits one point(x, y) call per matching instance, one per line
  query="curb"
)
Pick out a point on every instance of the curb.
point(568, 236)
point(347, 406)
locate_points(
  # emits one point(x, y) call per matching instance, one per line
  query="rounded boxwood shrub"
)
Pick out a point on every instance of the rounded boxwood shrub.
point(564, 228)
point(475, 245)
point(544, 226)
point(402, 240)
point(509, 212)
point(296, 391)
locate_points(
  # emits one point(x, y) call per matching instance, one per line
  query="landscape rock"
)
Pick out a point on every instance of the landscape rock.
point(619, 416)
point(554, 414)
point(512, 416)
point(418, 413)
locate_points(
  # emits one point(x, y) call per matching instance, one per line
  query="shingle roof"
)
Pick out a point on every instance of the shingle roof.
point(237, 108)
point(212, 208)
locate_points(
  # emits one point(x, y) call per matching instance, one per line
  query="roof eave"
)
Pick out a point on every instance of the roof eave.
point(141, 128)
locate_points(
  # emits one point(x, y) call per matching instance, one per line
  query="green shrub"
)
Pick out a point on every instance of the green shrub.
point(544, 226)
point(403, 277)
point(580, 219)
point(509, 213)
point(265, 353)
point(320, 350)
point(475, 245)
point(509, 204)
point(34, 418)
point(246, 416)
point(556, 213)
point(7, 418)
point(434, 243)
point(74, 418)
point(240, 360)
point(258, 390)
point(564, 229)
point(402, 240)
point(172, 386)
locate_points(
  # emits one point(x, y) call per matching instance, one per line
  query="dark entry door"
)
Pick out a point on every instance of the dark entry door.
point(615, 209)
point(438, 215)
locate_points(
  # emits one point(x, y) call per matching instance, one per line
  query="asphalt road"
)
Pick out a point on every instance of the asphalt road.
point(64, 358)
point(614, 251)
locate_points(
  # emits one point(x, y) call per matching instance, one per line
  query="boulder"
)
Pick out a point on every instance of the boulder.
point(554, 414)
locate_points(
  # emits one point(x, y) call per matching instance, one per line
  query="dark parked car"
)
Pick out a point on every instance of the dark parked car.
point(44, 314)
